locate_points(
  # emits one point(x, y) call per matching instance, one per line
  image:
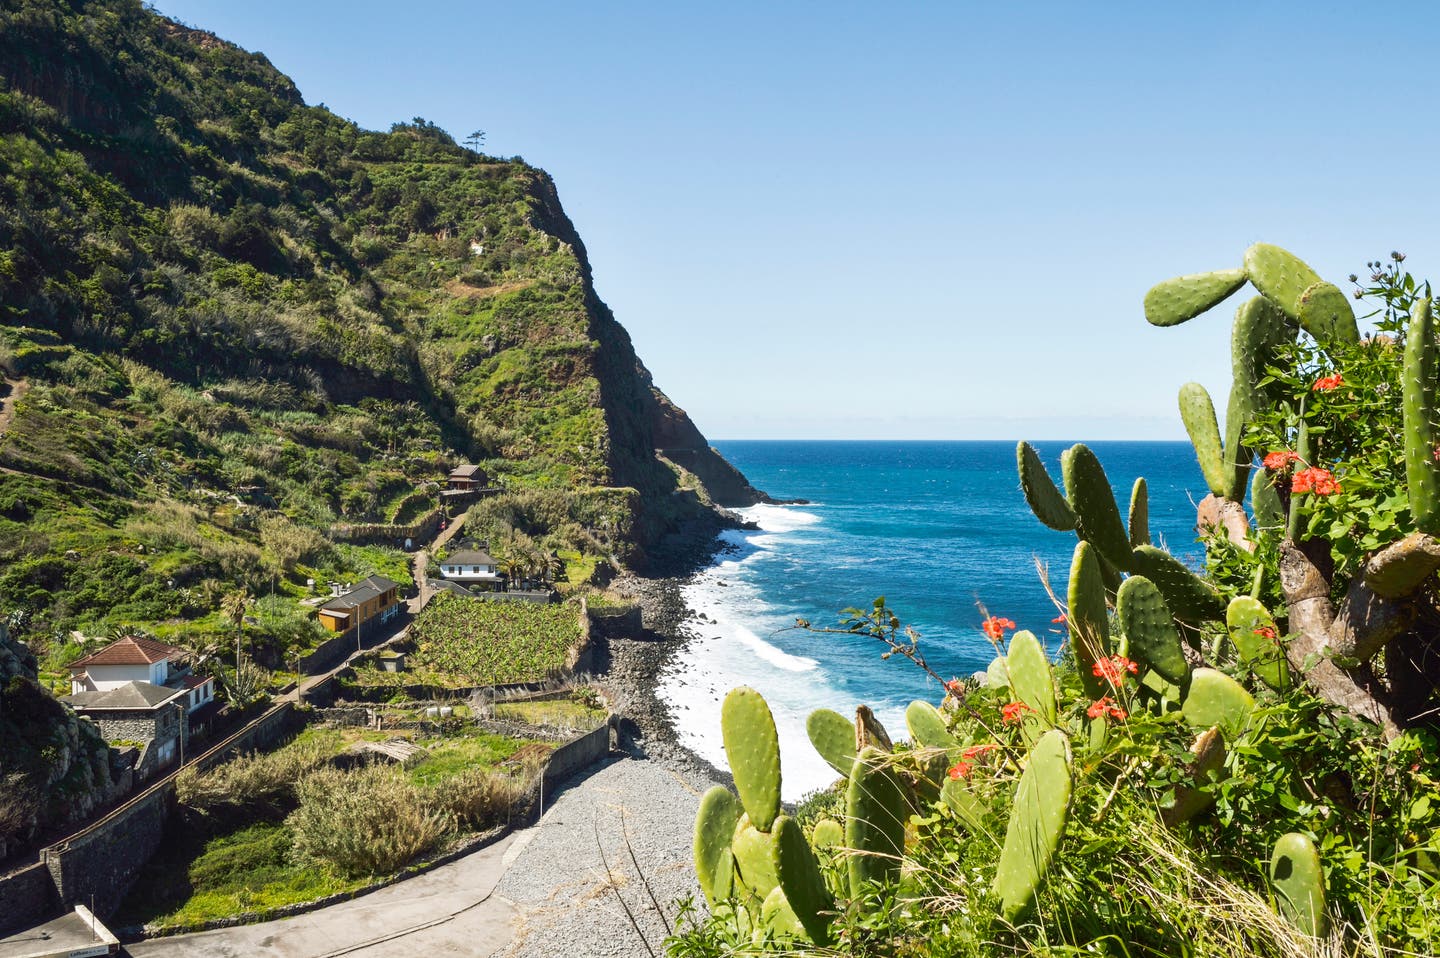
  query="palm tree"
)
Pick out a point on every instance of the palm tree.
point(233, 607)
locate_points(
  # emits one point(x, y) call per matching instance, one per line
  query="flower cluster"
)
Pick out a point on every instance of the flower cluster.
point(1113, 669)
point(1013, 712)
point(995, 626)
point(1280, 459)
point(1326, 383)
point(968, 759)
point(955, 687)
point(1105, 705)
point(1265, 632)
point(1319, 481)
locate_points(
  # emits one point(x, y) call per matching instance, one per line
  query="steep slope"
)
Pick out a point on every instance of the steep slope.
point(241, 321)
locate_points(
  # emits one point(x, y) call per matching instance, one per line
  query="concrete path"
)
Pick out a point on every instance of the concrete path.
point(422, 559)
point(452, 910)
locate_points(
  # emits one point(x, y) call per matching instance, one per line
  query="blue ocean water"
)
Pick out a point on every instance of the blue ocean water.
point(938, 528)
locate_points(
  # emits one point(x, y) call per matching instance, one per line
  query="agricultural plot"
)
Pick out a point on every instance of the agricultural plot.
point(463, 642)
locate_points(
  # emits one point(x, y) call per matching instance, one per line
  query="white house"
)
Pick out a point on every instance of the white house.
point(471, 567)
point(135, 659)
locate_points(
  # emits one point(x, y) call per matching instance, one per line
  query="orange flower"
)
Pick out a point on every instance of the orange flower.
point(1013, 712)
point(1326, 383)
point(975, 750)
point(961, 770)
point(1114, 668)
point(1265, 632)
point(1276, 461)
point(1060, 619)
point(995, 627)
point(1319, 481)
point(1105, 705)
point(955, 687)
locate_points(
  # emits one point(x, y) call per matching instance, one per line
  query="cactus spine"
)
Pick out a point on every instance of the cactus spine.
point(1037, 822)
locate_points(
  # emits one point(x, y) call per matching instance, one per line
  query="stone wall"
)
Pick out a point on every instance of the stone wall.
point(617, 622)
point(100, 863)
point(27, 897)
point(579, 754)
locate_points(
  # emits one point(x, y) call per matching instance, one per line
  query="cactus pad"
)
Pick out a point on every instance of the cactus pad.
point(827, 833)
point(1097, 517)
point(1190, 598)
point(833, 736)
point(1326, 314)
point(1422, 434)
point(1280, 275)
point(965, 804)
point(1176, 300)
point(1253, 632)
point(1299, 883)
point(754, 858)
point(714, 830)
point(1031, 679)
point(779, 917)
point(1150, 629)
point(1045, 500)
point(1259, 330)
point(1139, 513)
point(1037, 821)
point(1265, 502)
point(1214, 698)
point(752, 747)
point(997, 674)
point(875, 815)
point(1088, 620)
point(927, 726)
point(1198, 414)
point(801, 881)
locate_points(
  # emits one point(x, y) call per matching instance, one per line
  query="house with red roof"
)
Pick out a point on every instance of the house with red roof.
point(140, 691)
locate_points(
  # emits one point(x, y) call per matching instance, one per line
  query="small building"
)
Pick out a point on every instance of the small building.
point(468, 478)
point(375, 597)
point(472, 567)
point(138, 690)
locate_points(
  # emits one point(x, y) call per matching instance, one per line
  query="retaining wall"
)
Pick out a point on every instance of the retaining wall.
point(580, 753)
point(27, 897)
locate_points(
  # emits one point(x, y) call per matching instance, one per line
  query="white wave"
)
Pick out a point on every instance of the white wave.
point(778, 518)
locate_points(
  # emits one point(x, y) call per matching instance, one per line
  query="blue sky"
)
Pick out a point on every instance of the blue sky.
point(836, 220)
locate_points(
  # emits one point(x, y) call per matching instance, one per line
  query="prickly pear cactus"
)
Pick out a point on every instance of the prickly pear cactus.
point(714, 830)
point(833, 736)
point(1214, 698)
point(1280, 275)
point(1265, 502)
point(876, 811)
point(1045, 500)
point(779, 918)
point(966, 805)
point(870, 731)
point(1326, 314)
point(1097, 517)
point(1032, 682)
point(1088, 619)
point(827, 833)
point(801, 881)
point(1149, 629)
point(1252, 630)
point(1176, 300)
point(997, 674)
point(1260, 328)
point(1139, 523)
point(927, 726)
point(752, 747)
point(1299, 883)
point(1190, 598)
point(1422, 433)
point(754, 853)
point(1037, 822)
point(1197, 412)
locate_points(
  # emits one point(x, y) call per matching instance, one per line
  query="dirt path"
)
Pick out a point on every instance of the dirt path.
point(422, 559)
point(14, 389)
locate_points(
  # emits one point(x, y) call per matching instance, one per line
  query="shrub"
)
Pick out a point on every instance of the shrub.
point(370, 821)
point(480, 798)
point(262, 779)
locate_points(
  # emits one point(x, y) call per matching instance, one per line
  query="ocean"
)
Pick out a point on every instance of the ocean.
point(939, 529)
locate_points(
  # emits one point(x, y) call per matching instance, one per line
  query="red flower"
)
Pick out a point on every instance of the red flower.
point(1013, 712)
point(1276, 461)
point(960, 770)
point(1105, 705)
point(1060, 619)
point(955, 687)
point(1265, 632)
point(1319, 481)
point(1114, 668)
point(975, 750)
point(1326, 383)
point(995, 627)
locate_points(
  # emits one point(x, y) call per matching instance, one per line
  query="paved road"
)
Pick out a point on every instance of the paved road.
point(452, 910)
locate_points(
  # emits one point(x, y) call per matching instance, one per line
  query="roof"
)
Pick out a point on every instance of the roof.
point(466, 471)
point(132, 696)
point(192, 681)
point(379, 583)
point(365, 590)
point(469, 557)
point(131, 650)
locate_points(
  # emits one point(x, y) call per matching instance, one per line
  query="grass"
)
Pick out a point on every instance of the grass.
point(556, 713)
point(195, 879)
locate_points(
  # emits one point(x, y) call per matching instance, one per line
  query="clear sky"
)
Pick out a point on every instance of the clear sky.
point(868, 220)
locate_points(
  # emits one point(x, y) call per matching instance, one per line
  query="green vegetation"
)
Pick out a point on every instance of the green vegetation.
point(566, 713)
point(1240, 762)
point(469, 642)
point(235, 323)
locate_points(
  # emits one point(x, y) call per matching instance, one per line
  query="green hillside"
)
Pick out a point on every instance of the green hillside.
point(230, 322)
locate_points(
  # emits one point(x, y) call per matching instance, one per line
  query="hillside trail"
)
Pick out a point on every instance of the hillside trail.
point(14, 389)
point(421, 560)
